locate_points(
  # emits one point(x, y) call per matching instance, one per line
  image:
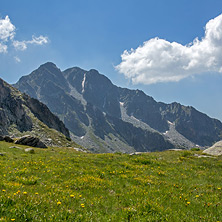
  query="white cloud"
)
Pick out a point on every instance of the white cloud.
point(7, 36)
point(38, 40)
point(3, 48)
point(22, 45)
point(7, 29)
point(158, 60)
point(17, 59)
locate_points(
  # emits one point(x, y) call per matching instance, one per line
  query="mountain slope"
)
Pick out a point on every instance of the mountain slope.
point(194, 125)
point(107, 118)
point(21, 114)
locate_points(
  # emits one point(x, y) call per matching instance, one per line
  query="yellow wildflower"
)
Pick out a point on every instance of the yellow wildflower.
point(59, 203)
point(24, 193)
point(72, 195)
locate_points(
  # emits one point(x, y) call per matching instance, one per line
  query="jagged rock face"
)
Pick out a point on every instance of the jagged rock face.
point(95, 89)
point(135, 137)
point(103, 117)
point(42, 112)
point(16, 109)
point(12, 111)
point(194, 125)
point(144, 108)
point(99, 91)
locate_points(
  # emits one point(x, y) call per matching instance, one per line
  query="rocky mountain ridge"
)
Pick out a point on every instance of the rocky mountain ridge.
point(107, 118)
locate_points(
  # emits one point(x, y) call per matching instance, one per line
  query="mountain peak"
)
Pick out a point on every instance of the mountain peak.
point(51, 67)
point(48, 64)
point(94, 71)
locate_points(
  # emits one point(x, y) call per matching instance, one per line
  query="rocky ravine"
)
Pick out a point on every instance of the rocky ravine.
point(107, 118)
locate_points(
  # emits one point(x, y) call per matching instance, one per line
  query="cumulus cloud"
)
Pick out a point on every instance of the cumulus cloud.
point(7, 37)
point(7, 29)
point(159, 60)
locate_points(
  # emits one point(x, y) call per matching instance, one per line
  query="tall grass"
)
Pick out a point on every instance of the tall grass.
point(65, 185)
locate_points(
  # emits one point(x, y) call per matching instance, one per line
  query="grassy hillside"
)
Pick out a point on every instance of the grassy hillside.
point(61, 184)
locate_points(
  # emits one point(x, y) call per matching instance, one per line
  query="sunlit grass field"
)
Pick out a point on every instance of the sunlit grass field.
point(61, 184)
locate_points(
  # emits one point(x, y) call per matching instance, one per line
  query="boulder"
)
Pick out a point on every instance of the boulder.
point(8, 139)
point(1, 138)
point(215, 150)
point(176, 150)
point(31, 141)
point(29, 150)
point(137, 153)
point(80, 150)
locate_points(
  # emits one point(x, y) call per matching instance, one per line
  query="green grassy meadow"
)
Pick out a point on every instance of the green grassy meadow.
point(61, 184)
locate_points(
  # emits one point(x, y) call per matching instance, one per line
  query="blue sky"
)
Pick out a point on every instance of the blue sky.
point(95, 33)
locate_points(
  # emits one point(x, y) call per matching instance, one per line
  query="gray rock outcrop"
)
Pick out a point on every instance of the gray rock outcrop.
point(30, 141)
point(215, 150)
point(8, 139)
